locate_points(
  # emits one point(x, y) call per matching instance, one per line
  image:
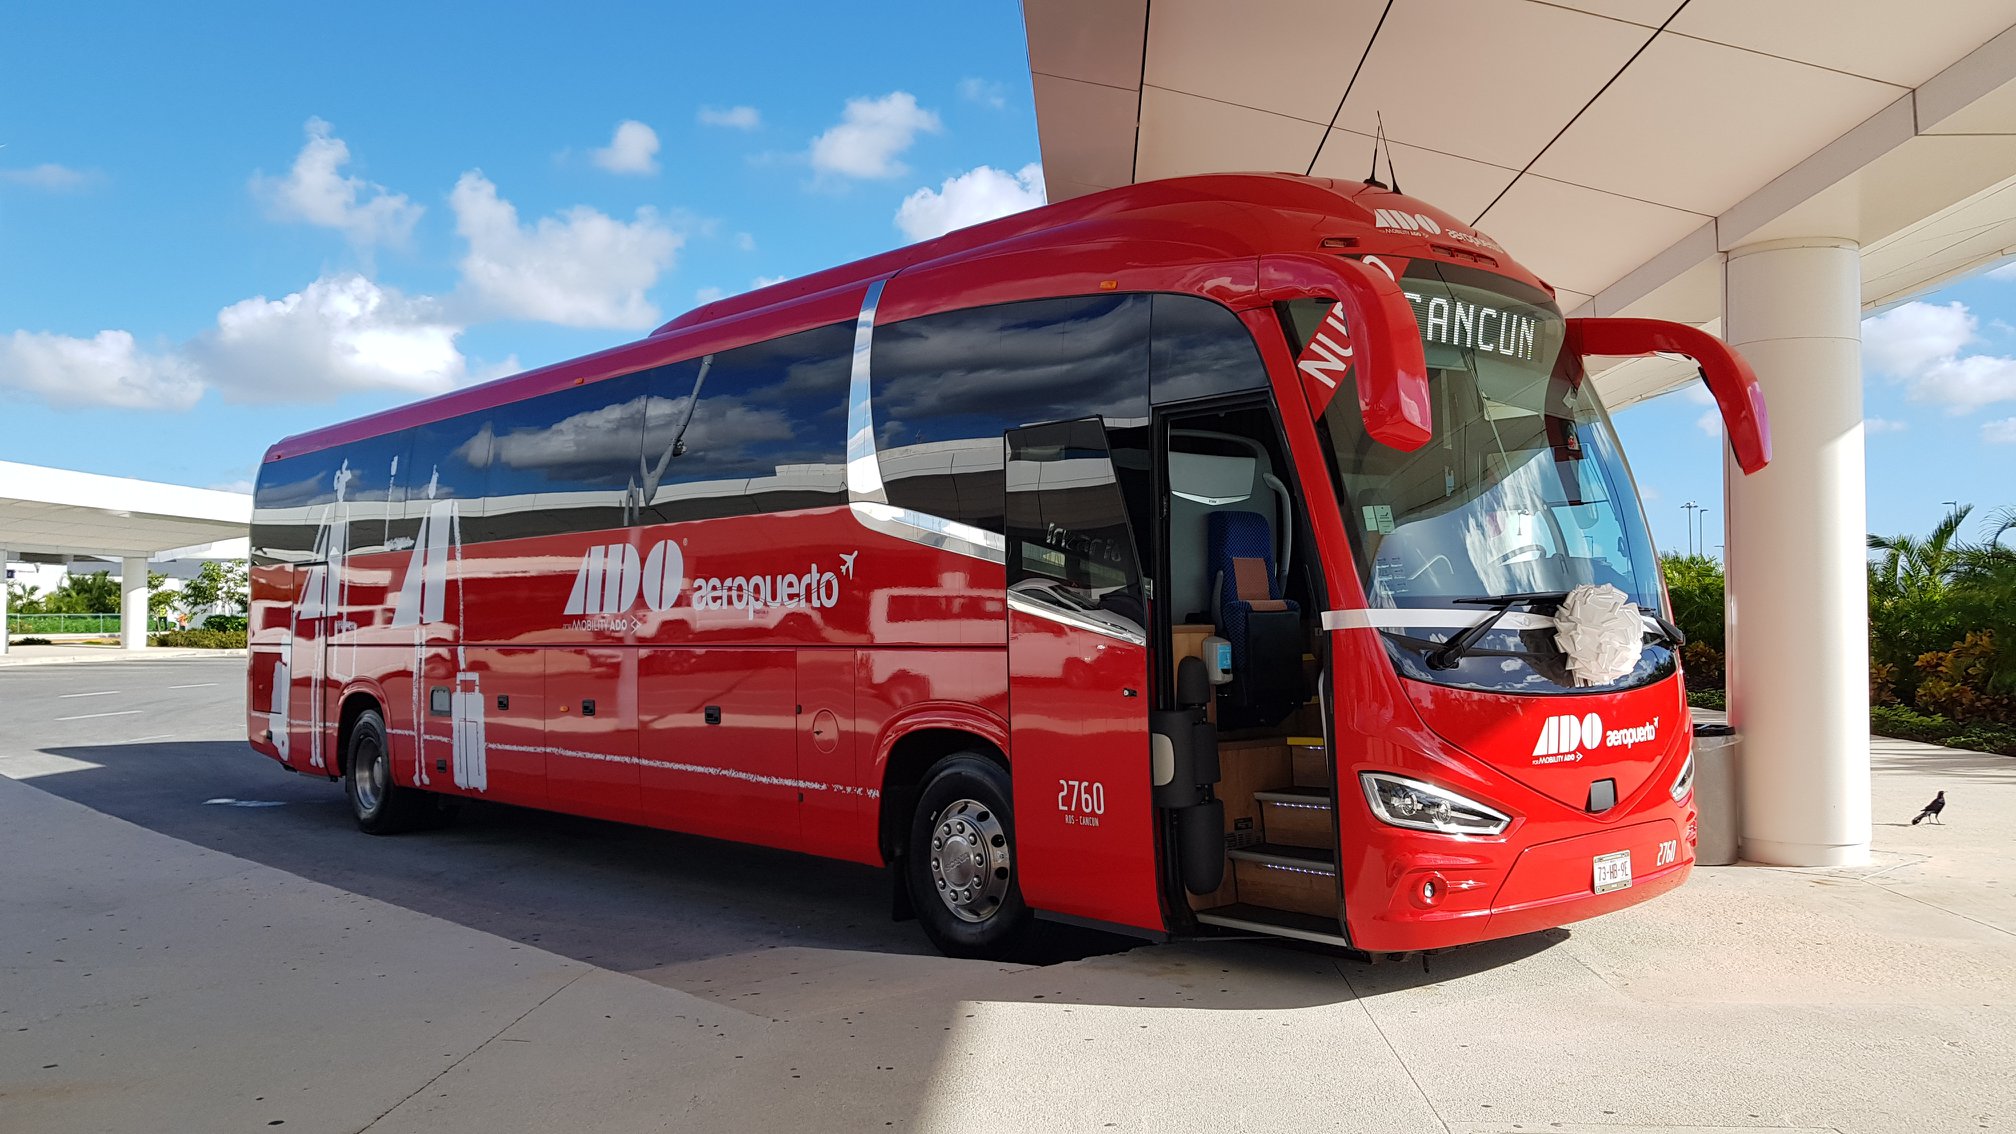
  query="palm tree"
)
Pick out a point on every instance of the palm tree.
point(1921, 568)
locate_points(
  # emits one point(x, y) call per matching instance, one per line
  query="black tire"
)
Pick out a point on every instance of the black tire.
point(381, 806)
point(962, 843)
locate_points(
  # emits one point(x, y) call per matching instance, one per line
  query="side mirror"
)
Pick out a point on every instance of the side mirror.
point(1728, 377)
point(1369, 333)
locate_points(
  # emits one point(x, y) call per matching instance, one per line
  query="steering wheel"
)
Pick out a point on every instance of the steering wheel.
point(1516, 552)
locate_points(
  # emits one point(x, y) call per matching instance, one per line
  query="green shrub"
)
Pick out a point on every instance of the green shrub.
point(1931, 728)
point(33, 642)
point(1708, 699)
point(201, 639)
point(1984, 738)
point(1704, 665)
point(225, 622)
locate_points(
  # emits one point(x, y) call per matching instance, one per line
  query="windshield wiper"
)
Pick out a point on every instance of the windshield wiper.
point(1675, 637)
point(1456, 648)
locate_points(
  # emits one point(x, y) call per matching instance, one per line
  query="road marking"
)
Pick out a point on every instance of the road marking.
point(198, 685)
point(246, 802)
point(145, 739)
point(92, 716)
point(103, 693)
point(29, 765)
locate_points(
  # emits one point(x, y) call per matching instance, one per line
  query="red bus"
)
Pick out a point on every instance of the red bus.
point(1197, 556)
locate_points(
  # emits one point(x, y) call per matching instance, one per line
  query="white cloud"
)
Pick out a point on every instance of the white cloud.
point(2005, 272)
point(871, 133)
point(979, 194)
point(1885, 425)
point(733, 117)
point(984, 91)
point(317, 192)
point(1913, 336)
point(240, 485)
point(337, 335)
point(745, 242)
point(766, 281)
point(707, 295)
point(582, 268)
point(633, 149)
point(1920, 344)
point(50, 176)
point(1710, 422)
point(108, 369)
point(1999, 432)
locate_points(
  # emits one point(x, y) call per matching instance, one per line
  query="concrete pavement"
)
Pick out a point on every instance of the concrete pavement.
point(63, 652)
point(150, 984)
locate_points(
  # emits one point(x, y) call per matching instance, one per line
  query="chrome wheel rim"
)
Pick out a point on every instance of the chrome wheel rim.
point(969, 859)
point(370, 775)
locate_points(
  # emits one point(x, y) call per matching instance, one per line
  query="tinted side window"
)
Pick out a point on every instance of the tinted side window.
point(374, 473)
point(1070, 546)
point(289, 503)
point(568, 461)
point(946, 387)
point(761, 428)
point(451, 461)
point(1201, 349)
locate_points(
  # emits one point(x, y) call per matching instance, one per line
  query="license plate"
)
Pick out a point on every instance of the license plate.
point(1613, 872)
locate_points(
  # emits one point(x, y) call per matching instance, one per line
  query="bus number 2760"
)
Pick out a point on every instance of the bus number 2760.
point(1081, 801)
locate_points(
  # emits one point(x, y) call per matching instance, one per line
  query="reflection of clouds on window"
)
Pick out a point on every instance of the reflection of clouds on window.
point(1201, 349)
point(590, 437)
point(1037, 361)
point(721, 427)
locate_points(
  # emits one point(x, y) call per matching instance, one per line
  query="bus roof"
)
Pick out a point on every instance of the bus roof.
point(1208, 217)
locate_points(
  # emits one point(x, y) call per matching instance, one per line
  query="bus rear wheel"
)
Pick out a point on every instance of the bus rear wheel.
point(381, 806)
point(961, 865)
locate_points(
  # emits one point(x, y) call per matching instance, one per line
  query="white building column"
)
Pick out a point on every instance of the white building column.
point(3, 600)
point(1798, 611)
point(133, 609)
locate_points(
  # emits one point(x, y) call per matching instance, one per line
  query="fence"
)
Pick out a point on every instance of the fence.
point(75, 624)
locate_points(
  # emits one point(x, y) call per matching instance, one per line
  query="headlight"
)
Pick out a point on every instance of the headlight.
point(1683, 784)
point(1425, 807)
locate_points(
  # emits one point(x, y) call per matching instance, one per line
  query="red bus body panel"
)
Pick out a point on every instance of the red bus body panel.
point(778, 723)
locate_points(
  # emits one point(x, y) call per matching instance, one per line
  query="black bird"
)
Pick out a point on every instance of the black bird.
point(1932, 809)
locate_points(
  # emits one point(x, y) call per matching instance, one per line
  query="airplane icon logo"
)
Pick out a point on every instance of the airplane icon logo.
point(847, 562)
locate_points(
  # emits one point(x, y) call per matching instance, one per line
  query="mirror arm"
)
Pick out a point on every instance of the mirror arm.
point(1728, 377)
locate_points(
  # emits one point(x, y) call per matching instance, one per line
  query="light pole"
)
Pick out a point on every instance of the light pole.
point(1689, 508)
point(1702, 515)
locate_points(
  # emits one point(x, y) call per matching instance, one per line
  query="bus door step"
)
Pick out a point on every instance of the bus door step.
point(1275, 923)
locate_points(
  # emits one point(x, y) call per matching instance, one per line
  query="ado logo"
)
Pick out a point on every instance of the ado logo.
point(611, 578)
point(1562, 738)
point(1395, 220)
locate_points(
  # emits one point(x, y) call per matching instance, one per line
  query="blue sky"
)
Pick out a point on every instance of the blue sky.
point(215, 232)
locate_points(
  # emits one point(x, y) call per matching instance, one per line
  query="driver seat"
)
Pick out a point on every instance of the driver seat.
point(1265, 630)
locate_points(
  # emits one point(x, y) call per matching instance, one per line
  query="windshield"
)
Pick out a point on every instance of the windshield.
point(1522, 490)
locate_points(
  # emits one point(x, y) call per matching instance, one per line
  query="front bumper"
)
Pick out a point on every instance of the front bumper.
point(1440, 900)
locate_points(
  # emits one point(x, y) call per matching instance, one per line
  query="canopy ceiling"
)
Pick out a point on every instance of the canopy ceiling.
point(1615, 147)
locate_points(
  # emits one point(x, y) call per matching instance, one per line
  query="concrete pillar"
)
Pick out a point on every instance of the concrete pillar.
point(133, 610)
point(3, 600)
point(1798, 608)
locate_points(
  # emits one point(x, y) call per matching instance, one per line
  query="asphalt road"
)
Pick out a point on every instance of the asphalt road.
point(161, 744)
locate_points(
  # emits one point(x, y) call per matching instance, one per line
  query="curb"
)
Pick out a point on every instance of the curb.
point(158, 653)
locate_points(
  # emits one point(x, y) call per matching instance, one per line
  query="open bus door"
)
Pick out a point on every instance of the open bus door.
point(1077, 682)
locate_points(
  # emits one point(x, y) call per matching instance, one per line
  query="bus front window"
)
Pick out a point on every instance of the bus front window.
point(1522, 490)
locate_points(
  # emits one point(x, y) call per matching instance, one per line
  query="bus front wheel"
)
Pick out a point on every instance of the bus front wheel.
point(961, 865)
